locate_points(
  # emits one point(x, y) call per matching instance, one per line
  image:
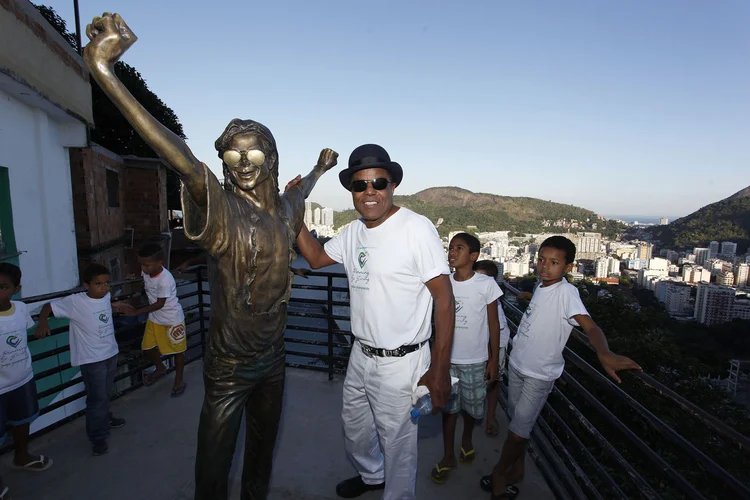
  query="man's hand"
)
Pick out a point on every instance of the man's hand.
point(42, 330)
point(292, 183)
point(439, 385)
point(613, 363)
point(490, 374)
point(327, 159)
point(110, 38)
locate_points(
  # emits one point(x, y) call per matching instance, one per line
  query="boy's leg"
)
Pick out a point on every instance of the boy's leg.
point(179, 372)
point(492, 425)
point(473, 396)
point(96, 379)
point(449, 440)
point(493, 393)
point(262, 416)
point(23, 408)
point(527, 405)
point(150, 345)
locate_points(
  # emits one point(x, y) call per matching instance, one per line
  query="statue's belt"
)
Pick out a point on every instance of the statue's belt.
point(394, 353)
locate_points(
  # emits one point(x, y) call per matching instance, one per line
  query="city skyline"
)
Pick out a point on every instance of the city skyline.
point(524, 100)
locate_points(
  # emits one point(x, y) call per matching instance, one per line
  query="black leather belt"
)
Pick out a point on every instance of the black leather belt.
point(395, 353)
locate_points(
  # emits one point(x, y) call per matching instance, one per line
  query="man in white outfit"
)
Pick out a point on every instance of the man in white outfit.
point(396, 266)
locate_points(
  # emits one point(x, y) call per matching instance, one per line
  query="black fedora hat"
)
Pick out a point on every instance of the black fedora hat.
point(370, 156)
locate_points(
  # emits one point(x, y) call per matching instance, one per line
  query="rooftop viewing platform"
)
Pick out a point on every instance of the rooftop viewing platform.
point(594, 440)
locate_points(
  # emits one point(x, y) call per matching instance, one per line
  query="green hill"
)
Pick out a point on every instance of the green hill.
point(460, 208)
point(725, 220)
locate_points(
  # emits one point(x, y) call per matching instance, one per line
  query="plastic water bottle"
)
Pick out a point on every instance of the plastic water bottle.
point(422, 407)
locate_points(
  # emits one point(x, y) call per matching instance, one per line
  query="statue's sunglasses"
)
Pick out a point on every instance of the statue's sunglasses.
point(233, 156)
point(378, 184)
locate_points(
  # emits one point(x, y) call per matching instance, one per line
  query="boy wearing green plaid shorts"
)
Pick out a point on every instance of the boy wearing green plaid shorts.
point(474, 357)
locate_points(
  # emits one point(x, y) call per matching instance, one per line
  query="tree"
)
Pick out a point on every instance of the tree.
point(111, 129)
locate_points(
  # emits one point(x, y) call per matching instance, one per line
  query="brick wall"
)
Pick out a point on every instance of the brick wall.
point(96, 222)
point(101, 228)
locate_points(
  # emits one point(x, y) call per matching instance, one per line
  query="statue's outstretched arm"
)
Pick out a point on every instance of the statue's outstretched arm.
point(110, 38)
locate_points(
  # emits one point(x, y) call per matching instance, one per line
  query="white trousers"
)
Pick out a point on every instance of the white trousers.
point(381, 440)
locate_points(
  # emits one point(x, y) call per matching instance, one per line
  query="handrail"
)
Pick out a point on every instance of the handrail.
point(647, 380)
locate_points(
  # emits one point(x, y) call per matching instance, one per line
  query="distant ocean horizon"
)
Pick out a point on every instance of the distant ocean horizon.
point(644, 219)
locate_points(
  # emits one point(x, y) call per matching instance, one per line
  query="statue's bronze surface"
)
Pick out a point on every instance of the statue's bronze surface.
point(247, 232)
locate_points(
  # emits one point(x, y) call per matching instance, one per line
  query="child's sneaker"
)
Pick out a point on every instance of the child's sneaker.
point(99, 448)
point(116, 423)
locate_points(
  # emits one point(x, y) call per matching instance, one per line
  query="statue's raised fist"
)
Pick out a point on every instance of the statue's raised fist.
point(328, 159)
point(110, 38)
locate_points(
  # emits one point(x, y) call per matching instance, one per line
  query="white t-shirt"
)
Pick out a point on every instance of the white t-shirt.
point(544, 331)
point(504, 330)
point(92, 333)
point(163, 287)
point(388, 267)
point(15, 358)
point(472, 333)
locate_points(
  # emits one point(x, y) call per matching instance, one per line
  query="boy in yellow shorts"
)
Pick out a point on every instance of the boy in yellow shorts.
point(165, 328)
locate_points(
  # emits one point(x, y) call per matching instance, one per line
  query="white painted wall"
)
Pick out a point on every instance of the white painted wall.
point(33, 146)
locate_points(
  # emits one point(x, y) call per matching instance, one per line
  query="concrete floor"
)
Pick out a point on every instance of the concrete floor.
point(153, 455)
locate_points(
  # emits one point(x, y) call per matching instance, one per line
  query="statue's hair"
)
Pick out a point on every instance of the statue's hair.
point(237, 127)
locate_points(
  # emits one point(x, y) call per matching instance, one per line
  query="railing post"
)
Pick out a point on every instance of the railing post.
point(331, 324)
point(201, 313)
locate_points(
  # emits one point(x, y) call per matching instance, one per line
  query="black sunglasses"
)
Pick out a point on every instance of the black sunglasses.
point(378, 184)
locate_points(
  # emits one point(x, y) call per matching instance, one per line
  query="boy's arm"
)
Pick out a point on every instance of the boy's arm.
point(149, 308)
point(42, 327)
point(611, 362)
point(494, 322)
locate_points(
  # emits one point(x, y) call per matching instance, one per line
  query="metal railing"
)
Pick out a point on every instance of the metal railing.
point(593, 440)
point(573, 441)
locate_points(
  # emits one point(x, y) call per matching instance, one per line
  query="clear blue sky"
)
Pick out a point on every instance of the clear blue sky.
point(622, 107)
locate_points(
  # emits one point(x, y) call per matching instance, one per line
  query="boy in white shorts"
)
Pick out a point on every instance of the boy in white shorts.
point(536, 359)
point(165, 327)
point(474, 357)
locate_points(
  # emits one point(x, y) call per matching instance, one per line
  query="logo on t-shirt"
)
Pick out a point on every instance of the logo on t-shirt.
point(13, 341)
point(362, 259)
point(103, 318)
point(461, 319)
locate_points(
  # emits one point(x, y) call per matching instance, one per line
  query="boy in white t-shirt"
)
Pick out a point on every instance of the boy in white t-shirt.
point(492, 427)
point(92, 347)
point(475, 341)
point(536, 359)
point(165, 327)
point(18, 399)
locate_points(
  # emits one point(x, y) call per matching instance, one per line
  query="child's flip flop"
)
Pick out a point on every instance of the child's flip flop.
point(467, 457)
point(440, 474)
point(180, 391)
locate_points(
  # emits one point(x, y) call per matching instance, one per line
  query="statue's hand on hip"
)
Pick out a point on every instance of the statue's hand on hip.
point(110, 38)
point(327, 159)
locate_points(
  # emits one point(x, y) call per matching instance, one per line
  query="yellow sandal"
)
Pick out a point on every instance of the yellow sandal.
point(440, 474)
point(467, 457)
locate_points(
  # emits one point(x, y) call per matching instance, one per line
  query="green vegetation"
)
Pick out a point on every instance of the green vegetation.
point(460, 208)
point(725, 220)
point(112, 130)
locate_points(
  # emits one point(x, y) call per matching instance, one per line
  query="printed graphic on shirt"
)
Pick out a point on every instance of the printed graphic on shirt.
point(360, 276)
point(105, 328)
point(523, 328)
point(461, 319)
point(16, 352)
